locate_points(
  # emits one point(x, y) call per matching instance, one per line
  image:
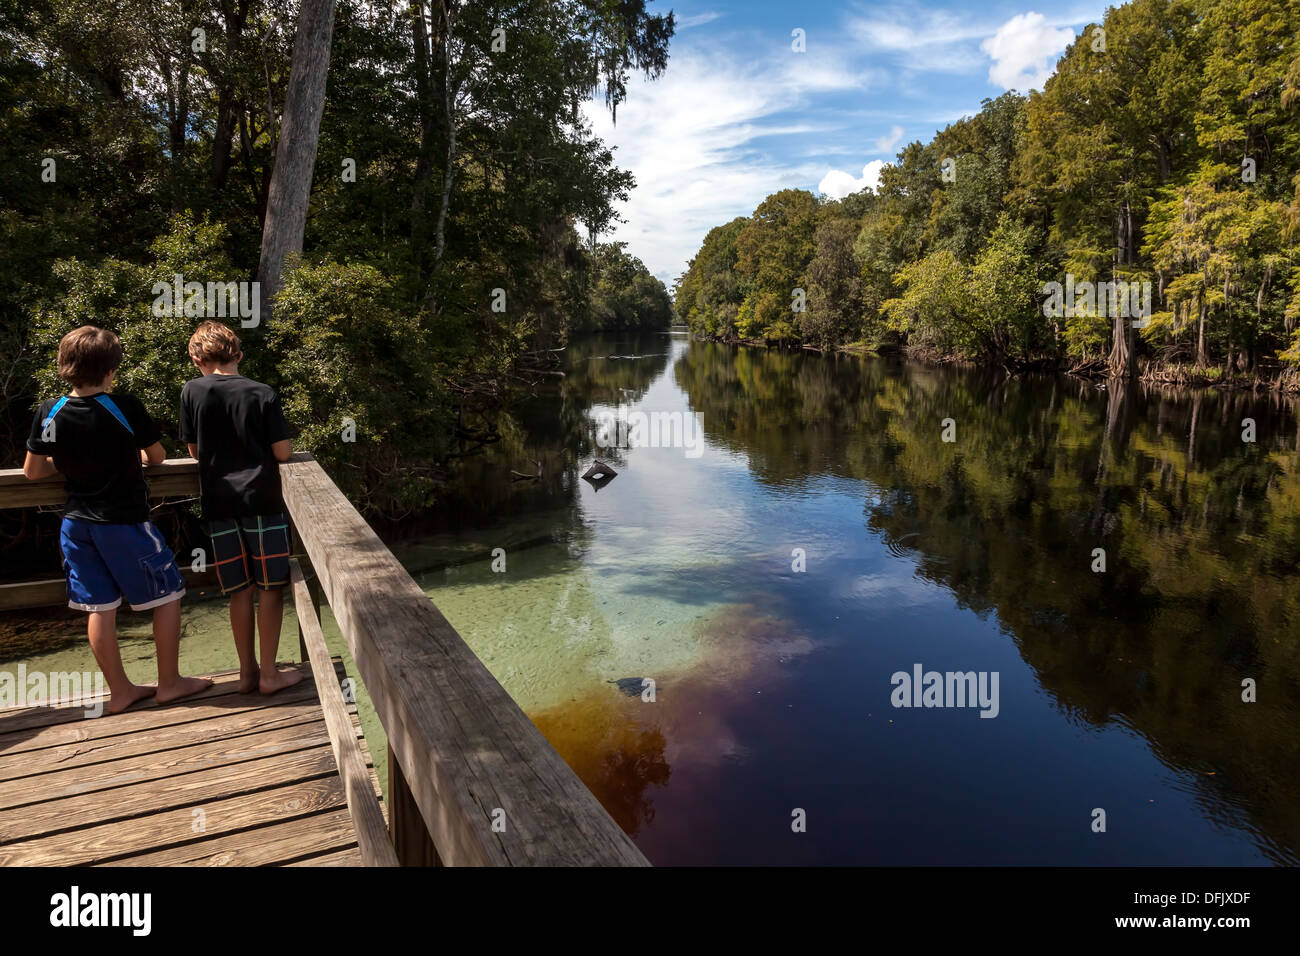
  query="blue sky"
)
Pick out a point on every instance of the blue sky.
point(739, 114)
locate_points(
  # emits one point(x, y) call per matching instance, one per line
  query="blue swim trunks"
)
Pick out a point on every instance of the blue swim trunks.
point(105, 563)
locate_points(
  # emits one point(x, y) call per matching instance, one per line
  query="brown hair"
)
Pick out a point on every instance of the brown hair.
point(215, 343)
point(87, 355)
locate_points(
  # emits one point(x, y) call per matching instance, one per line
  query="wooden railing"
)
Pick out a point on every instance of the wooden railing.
point(471, 780)
point(176, 478)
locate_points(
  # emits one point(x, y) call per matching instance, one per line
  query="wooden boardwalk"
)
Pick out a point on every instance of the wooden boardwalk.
point(219, 779)
point(230, 779)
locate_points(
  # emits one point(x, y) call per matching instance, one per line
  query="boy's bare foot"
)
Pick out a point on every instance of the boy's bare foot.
point(138, 692)
point(248, 680)
point(270, 683)
point(184, 687)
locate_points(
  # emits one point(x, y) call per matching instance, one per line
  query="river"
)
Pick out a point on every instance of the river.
point(1109, 566)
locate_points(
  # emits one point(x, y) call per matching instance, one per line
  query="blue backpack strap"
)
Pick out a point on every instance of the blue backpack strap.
point(110, 406)
point(58, 406)
point(53, 411)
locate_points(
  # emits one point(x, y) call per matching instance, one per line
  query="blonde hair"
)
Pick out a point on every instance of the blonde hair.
point(215, 343)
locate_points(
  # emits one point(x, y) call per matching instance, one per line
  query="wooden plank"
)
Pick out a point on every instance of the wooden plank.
point(264, 846)
point(175, 477)
point(224, 682)
point(364, 744)
point(160, 768)
point(53, 592)
point(42, 728)
point(228, 679)
point(350, 857)
point(240, 723)
point(467, 749)
point(371, 830)
point(131, 803)
point(109, 841)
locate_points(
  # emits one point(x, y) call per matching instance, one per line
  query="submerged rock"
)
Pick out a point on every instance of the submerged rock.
point(632, 686)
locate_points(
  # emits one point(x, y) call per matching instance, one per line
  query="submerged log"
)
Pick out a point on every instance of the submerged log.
point(520, 476)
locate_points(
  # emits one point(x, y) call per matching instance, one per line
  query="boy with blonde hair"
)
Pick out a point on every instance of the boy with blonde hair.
point(234, 427)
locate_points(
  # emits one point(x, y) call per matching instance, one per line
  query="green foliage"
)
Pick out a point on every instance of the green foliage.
point(834, 287)
point(120, 296)
point(708, 295)
point(625, 294)
point(774, 246)
point(347, 354)
point(936, 296)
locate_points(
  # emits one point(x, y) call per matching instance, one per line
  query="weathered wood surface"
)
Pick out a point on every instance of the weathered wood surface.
point(467, 749)
point(371, 828)
point(174, 478)
point(53, 592)
point(221, 779)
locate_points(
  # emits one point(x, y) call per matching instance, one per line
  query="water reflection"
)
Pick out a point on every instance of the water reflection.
point(1200, 532)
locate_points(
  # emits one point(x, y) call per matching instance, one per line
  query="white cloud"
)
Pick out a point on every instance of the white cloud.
point(695, 141)
point(696, 20)
point(1024, 51)
point(837, 184)
point(917, 39)
point(888, 142)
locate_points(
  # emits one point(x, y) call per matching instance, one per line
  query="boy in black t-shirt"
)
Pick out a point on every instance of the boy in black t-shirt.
point(234, 427)
point(110, 548)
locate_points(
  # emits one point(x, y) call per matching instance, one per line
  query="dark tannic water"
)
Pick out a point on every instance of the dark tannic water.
point(1117, 690)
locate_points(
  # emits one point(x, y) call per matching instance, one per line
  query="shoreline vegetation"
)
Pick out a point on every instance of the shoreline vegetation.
point(1286, 379)
point(1139, 218)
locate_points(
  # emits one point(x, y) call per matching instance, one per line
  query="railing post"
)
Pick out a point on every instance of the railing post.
point(411, 840)
point(313, 586)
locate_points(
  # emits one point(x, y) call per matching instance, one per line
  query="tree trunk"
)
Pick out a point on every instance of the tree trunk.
point(1121, 352)
point(449, 129)
point(425, 160)
point(295, 157)
point(224, 136)
point(222, 139)
point(1202, 359)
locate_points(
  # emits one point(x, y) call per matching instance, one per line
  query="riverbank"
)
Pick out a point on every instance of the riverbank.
point(1283, 379)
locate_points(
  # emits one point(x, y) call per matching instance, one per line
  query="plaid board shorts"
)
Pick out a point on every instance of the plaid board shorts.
point(251, 551)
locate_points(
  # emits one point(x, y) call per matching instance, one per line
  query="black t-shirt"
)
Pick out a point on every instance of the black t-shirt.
point(234, 421)
point(98, 456)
